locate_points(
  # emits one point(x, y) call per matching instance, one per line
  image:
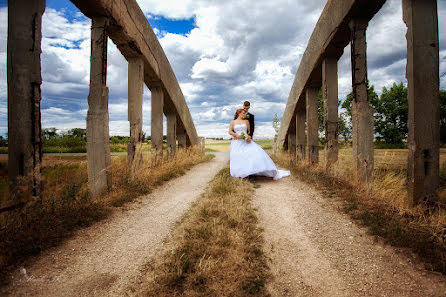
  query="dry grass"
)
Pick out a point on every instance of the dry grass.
point(213, 145)
point(216, 249)
point(65, 205)
point(382, 206)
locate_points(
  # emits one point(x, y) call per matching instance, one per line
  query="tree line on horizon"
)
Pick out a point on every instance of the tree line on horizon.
point(390, 113)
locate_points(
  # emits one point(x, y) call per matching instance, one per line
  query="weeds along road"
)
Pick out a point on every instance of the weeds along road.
point(316, 250)
point(104, 259)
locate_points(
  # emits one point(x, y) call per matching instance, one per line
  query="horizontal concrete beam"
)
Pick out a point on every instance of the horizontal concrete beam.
point(134, 37)
point(329, 38)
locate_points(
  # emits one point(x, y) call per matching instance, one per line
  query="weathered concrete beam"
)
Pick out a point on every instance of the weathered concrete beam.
point(134, 37)
point(157, 124)
point(24, 95)
point(312, 126)
point(98, 149)
point(135, 94)
point(330, 35)
point(171, 134)
point(422, 76)
point(330, 97)
point(362, 112)
point(300, 134)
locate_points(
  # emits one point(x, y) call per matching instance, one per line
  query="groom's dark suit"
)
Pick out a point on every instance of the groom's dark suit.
point(250, 118)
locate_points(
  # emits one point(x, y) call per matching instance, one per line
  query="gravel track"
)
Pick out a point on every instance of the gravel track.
point(316, 250)
point(104, 259)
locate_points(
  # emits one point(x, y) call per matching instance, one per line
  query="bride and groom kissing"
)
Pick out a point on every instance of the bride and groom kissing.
point(247, 158)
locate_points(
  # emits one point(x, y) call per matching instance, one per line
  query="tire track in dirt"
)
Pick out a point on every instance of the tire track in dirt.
point(316, 250)
point(104, 259)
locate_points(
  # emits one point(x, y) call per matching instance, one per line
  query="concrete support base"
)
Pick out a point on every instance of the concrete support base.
point(135, 94)
point(24, 95)
point(157, 124)
point(171, 134)
point(422, 76)
point(312, 126)
point(98, 149)
point(362, 112)
point(300, 135)
point(330, 97)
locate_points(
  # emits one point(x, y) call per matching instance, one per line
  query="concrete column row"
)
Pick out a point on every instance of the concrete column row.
point(24, 95)
point(423, 92)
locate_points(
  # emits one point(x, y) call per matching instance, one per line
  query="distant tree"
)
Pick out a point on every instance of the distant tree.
point(347, 103)
point(49, 133)
point(119, 139)
point(3, 141)
point(391, 114)
point(78, 132)
point(344, 126)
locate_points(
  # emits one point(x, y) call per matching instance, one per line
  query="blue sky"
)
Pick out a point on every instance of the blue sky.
point(222, 52)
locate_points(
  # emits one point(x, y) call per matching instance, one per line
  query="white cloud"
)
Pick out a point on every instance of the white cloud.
point(205, 67)
point(238, 50)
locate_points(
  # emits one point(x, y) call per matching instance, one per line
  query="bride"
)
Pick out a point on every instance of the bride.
point(246, 157)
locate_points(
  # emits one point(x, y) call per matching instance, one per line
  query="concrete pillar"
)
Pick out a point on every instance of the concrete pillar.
point(135, 93)
point(362, 112)
point(312, 126)
point(300, 135)
point(422, 76)
point(24, 95)
point(157, 124)
point(181, 134)
point(330, 97)
point(292, 140)
point(188, 142)
point(98, 149)
point(202, 143)
point(171, 134)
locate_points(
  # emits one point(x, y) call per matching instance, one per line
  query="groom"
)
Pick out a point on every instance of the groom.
point(249, 117)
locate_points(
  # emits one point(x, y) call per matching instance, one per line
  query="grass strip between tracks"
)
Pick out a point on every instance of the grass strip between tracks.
point(216, 249)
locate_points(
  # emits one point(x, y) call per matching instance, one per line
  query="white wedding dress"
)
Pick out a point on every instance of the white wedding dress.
point(250, 159)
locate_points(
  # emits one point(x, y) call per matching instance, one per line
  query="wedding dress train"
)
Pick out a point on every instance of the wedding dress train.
point(250, 159)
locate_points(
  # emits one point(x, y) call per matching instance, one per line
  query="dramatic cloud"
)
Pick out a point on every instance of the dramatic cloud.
point(236, 51)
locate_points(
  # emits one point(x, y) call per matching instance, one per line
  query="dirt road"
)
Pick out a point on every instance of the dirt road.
point(316, 250)
point(104, 259)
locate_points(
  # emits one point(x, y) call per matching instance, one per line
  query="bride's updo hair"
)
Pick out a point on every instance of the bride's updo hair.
point(238, 112)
